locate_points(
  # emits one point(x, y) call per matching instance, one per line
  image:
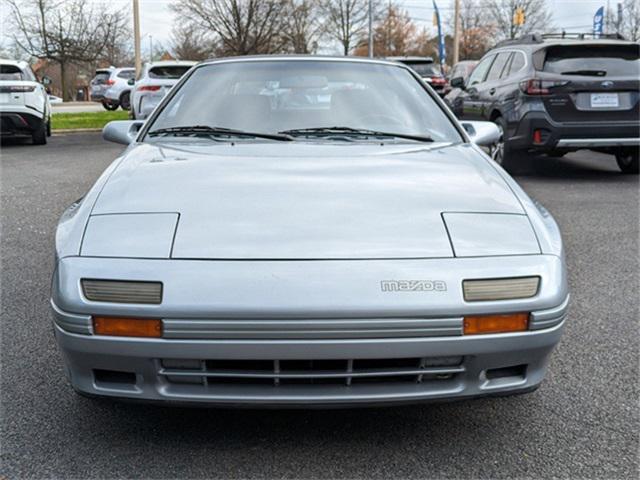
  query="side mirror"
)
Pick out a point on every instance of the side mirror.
point(457, 82)
point(122, 131)
point(483, 134)
point(131, 82)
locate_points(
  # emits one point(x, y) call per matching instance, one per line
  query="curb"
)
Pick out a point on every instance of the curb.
point(75, 130)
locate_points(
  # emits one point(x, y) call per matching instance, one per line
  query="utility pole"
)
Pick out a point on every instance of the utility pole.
point(150, 48)
point(136, 36)
point(456, 32)
point(370, 28)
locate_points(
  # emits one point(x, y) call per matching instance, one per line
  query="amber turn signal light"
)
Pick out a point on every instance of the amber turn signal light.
point(512, 322)
point(127, 327)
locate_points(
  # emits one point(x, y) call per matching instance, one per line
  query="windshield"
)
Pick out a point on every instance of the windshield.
point(284, 95)
point(598, 60)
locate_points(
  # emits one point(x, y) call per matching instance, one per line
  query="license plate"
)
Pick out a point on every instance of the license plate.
point(604, 100)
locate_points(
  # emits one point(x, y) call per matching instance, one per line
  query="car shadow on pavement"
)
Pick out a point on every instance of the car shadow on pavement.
point(576, 166)
point(195, 425)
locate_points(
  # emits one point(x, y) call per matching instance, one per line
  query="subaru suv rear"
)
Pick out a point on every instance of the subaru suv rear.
point(428, 70)
point(555, 94)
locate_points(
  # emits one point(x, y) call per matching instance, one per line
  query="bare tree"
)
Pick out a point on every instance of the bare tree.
point(396, 34)
point(65, 32)
point(476, 30)
point(243, 27)
point(628, 23)
point(302, 26)
point(346, 21)
point(191, 43)
point(536, 12)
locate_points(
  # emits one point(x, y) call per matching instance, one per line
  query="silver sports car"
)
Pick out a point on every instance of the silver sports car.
point(302, 231)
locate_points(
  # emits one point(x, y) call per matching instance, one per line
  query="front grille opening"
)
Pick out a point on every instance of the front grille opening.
point(385, 363)
point(291, 373)
point(385, 379)
point(181, 364)
point(113, 378)
point(255, 365)
point(185, 380)
point(313, 365)
point(239, 381)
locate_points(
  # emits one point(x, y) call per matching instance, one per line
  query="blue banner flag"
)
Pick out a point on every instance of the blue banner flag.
point(598, 21)
point(442, 54)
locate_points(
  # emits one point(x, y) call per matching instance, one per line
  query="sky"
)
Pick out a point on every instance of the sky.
point(571, 15)
point(156, 18)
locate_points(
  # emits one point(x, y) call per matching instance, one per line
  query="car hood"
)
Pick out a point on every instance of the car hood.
point(302, 201)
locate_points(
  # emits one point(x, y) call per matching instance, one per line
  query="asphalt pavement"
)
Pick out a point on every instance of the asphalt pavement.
point(583, 421)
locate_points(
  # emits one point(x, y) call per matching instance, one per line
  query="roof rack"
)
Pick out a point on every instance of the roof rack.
point(541, 37)
point(582, 35)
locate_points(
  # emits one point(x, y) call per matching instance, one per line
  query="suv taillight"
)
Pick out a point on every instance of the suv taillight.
point(149, 88)
point(110, 82)
point(17, 88)
point(535, 86)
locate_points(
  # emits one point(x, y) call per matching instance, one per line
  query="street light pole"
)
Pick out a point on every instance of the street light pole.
point(370, 28)
point(136, 36)
point(456, 32)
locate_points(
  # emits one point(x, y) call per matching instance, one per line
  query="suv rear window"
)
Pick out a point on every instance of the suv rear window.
point(593, 60)
point(127, 74)
point(169, 72)
point(11, 72)
point(101, 77)
point(424, 68)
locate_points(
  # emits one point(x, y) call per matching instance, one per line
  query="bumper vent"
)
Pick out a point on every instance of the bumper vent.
point(117, 291)
point(210, 373)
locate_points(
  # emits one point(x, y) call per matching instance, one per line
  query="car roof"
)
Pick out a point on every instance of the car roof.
point(167, 63)
point(301, 57)
point(410, 58)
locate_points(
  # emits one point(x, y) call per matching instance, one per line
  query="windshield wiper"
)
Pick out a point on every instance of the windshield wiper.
point(589, 73)
point(207, 131)
point(346, 131)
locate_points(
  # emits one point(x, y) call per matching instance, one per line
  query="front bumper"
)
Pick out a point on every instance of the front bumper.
point(573, 135)
point(215, 325)
point(464, 367)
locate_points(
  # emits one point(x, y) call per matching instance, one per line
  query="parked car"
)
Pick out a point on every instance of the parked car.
point(427, 69)
point(118, 92)
point(98, 85)
point(156, 80)
point(53, 100)
point(24, 105)
point(306, 231)
point(461, 69)
point(558, 93)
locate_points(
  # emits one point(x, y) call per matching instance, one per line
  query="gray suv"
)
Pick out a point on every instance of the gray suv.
point(557, 93)
point(110, 87)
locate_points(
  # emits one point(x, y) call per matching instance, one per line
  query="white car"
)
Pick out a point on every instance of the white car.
point(24, 104)
point(156, 80)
